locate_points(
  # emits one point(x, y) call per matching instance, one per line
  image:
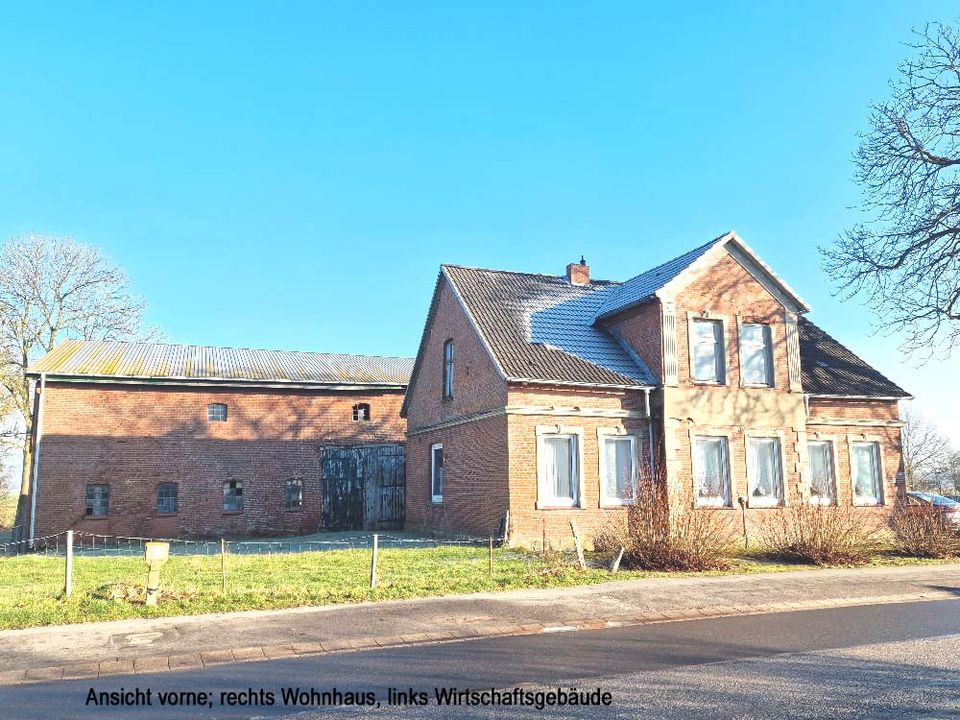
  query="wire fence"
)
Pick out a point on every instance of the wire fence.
point(239, 574)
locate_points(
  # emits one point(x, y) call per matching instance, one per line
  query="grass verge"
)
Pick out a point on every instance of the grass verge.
point(111, 588)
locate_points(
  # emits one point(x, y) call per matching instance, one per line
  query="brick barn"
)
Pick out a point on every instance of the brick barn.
point(540, 399)
point(178, 440)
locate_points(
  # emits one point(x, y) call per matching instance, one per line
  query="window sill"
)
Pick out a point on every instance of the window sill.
point(435, 502)
point(95, 517)
point(709, 383)
point(752, 386)
point(232, 512)
point(541, 506)
point(754, 505)
point(712, 506)
point(613, 504)
point(863, 504)
point(293, 510)
point(165, 514)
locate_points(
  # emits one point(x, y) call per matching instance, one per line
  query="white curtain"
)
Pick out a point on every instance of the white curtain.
point(765, 459)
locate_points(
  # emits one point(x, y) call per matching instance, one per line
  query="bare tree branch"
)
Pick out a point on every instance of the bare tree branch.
point(904, 259)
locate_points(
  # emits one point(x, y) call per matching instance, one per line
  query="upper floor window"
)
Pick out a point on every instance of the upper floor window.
point(756, 355)
point(865, 469)
point(217, 412)
point(711, 469)
point(764, 471)
point(448, 370)
point(98, 500)
point(706, 350)
point(361, 411)
point(166, 498)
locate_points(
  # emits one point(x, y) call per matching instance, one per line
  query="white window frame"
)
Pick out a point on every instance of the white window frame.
point(237, 495)
point(434, 497)
point(175, 496)
point(781, 467)
point(721, 347)
point(831, 446)
point(288, 483)
point(547, 500)
point(880, 498)
point(605, 435)
point(767, 347)
point(727, 499)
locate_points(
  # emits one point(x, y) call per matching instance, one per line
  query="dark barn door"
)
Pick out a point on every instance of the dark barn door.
point(363, 487)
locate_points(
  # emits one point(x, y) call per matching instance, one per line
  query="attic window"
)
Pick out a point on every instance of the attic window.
point(361, 411)
point(217, 412)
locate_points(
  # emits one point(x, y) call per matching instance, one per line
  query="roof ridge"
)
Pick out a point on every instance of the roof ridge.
point(525, 274)
point(222, 347)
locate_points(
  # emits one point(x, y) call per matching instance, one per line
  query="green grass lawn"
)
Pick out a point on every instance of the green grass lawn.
point(109, 588)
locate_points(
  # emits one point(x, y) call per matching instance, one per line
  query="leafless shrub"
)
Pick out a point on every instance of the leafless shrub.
point(819, 534)
point(921, 531)
point(660, 535)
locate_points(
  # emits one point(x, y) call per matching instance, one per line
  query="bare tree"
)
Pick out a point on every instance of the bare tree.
point(51, 289)
point(926, 452)
point(905, 257)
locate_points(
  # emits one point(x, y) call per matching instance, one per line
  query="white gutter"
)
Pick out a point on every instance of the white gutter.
point(37, 431)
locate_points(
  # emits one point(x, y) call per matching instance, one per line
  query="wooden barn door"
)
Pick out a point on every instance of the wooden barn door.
point(363, 487)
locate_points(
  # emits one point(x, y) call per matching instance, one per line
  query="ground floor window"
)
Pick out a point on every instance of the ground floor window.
point(233, 496)
point(559, 470)
point(822, 478)
point(98, 500)
point(293, 494)
point(764, 476)
point(166, 498)
point(712, 471)
point(436, 472)
point(865, 470)
point(618, 469)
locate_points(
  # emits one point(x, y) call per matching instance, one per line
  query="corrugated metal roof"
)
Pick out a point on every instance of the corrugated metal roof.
point(161, 361)
point(540, 327)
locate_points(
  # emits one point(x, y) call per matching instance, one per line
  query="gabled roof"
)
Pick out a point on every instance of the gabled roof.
point(674, 273)
point(645, 285)
point(540, 328)
point(829, 368)
point(161, 362)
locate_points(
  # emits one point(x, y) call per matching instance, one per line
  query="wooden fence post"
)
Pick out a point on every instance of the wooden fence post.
point(490, 560)
point(223, 566)
point(373, 561)
point(68, 575)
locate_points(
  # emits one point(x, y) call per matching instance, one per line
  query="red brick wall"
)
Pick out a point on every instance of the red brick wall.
point(842, 408)
point(642, 328)
point(728, 289)
point(477, 384)
point(134, 437)
point(527, 522)
point(475, 478)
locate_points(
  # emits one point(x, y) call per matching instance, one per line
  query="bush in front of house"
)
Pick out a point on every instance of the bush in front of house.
point(819, 534)
point(921, 531)
point(658, 535)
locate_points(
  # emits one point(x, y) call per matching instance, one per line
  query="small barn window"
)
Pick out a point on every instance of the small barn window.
point(166, 498)
point(217, 412)
point(233, 496)
point(98, 500)
point(448, 370)
point(436, 473)
point(293, 494)
point(361, 411)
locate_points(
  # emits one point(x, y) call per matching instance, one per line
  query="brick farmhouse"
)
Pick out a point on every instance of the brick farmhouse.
point(182, 441)
point(534, 400)
point(539, 399)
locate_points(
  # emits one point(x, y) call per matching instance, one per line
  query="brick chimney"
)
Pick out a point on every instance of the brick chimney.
point(578, 273)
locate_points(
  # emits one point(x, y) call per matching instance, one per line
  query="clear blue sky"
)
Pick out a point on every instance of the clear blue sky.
point(291, 175)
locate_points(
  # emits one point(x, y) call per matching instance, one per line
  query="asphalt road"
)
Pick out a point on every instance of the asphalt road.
point(892, 661)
